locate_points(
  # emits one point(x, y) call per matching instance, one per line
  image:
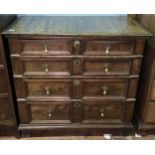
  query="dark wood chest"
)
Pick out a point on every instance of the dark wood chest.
point(76, 75)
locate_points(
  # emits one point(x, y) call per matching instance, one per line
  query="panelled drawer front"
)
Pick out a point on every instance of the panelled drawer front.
point(3, 85)
point(98, 112)
point(5, 109)
point(45, 47)
point(106, 67)
point(104, 89)
point(47, 67)
point(109, 47)
point(47, 112)
point(49, 88)
point(152, 95)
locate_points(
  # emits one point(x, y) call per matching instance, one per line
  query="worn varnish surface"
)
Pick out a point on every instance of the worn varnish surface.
point(77, 25)
point(76, 75)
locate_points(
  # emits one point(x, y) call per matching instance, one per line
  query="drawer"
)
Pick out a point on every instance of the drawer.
point(5, 109)
point(3, 84)
point(100, 47)
point(47, 112)
point(98, 112)
point(104, 89)
point(52, 89)
point(45, 47)
point(152, 94)
point(47, 67)
point(106, 67)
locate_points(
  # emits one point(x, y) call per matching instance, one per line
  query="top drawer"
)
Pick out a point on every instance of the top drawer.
point(109, 47)
point(45, 47)
point(68, 46)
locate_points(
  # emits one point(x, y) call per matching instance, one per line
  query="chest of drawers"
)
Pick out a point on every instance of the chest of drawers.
point(73, 75)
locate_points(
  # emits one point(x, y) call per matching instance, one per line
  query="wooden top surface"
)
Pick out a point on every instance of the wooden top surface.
point(77, 25)
point(5, 20)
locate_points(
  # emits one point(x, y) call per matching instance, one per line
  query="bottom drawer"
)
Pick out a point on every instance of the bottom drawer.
point(5, 109)
point(98, 112)
point(45, 112)
point(76, 111)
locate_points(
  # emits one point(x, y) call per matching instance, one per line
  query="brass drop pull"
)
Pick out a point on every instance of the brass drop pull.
point(76, 44)
point(104, 90)
point(46, 68)
point(76, 104)
point(50, 114)
point(47, 90)
point(46, 50)
point(107, 50)
point(106, 68)
point(102, 112)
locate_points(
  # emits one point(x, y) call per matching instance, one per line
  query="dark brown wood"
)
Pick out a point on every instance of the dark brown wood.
point(8, 123)
point(144, 112)
point(75, 83)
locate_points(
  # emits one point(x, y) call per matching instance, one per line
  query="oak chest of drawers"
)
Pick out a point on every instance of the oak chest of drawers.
point(76, 75)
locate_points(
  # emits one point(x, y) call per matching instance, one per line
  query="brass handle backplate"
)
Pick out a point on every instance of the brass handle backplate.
point(77, 61)
point(76, 44)
point(76, 82)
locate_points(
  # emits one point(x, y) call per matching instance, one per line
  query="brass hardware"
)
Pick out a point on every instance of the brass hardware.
point(107, 50)
point(50, 114)
point(46, 50)
point(46, 68)
point(47, 90)
point(76, 44)
point(106, 68)
point(76, 82)
point(104, 90)
point(102, 112)
point(76, 104)
point(76, 61)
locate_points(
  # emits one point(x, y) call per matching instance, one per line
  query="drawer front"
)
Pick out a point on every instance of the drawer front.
point(152, 95)
point(98, 112)
point(109, 47)
point(45, 47)
point(47, 67)
point(3, 84)
point(106, 67)
point(49, 88)
point(54, 112)
point(5, 109)
point(104, 89)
